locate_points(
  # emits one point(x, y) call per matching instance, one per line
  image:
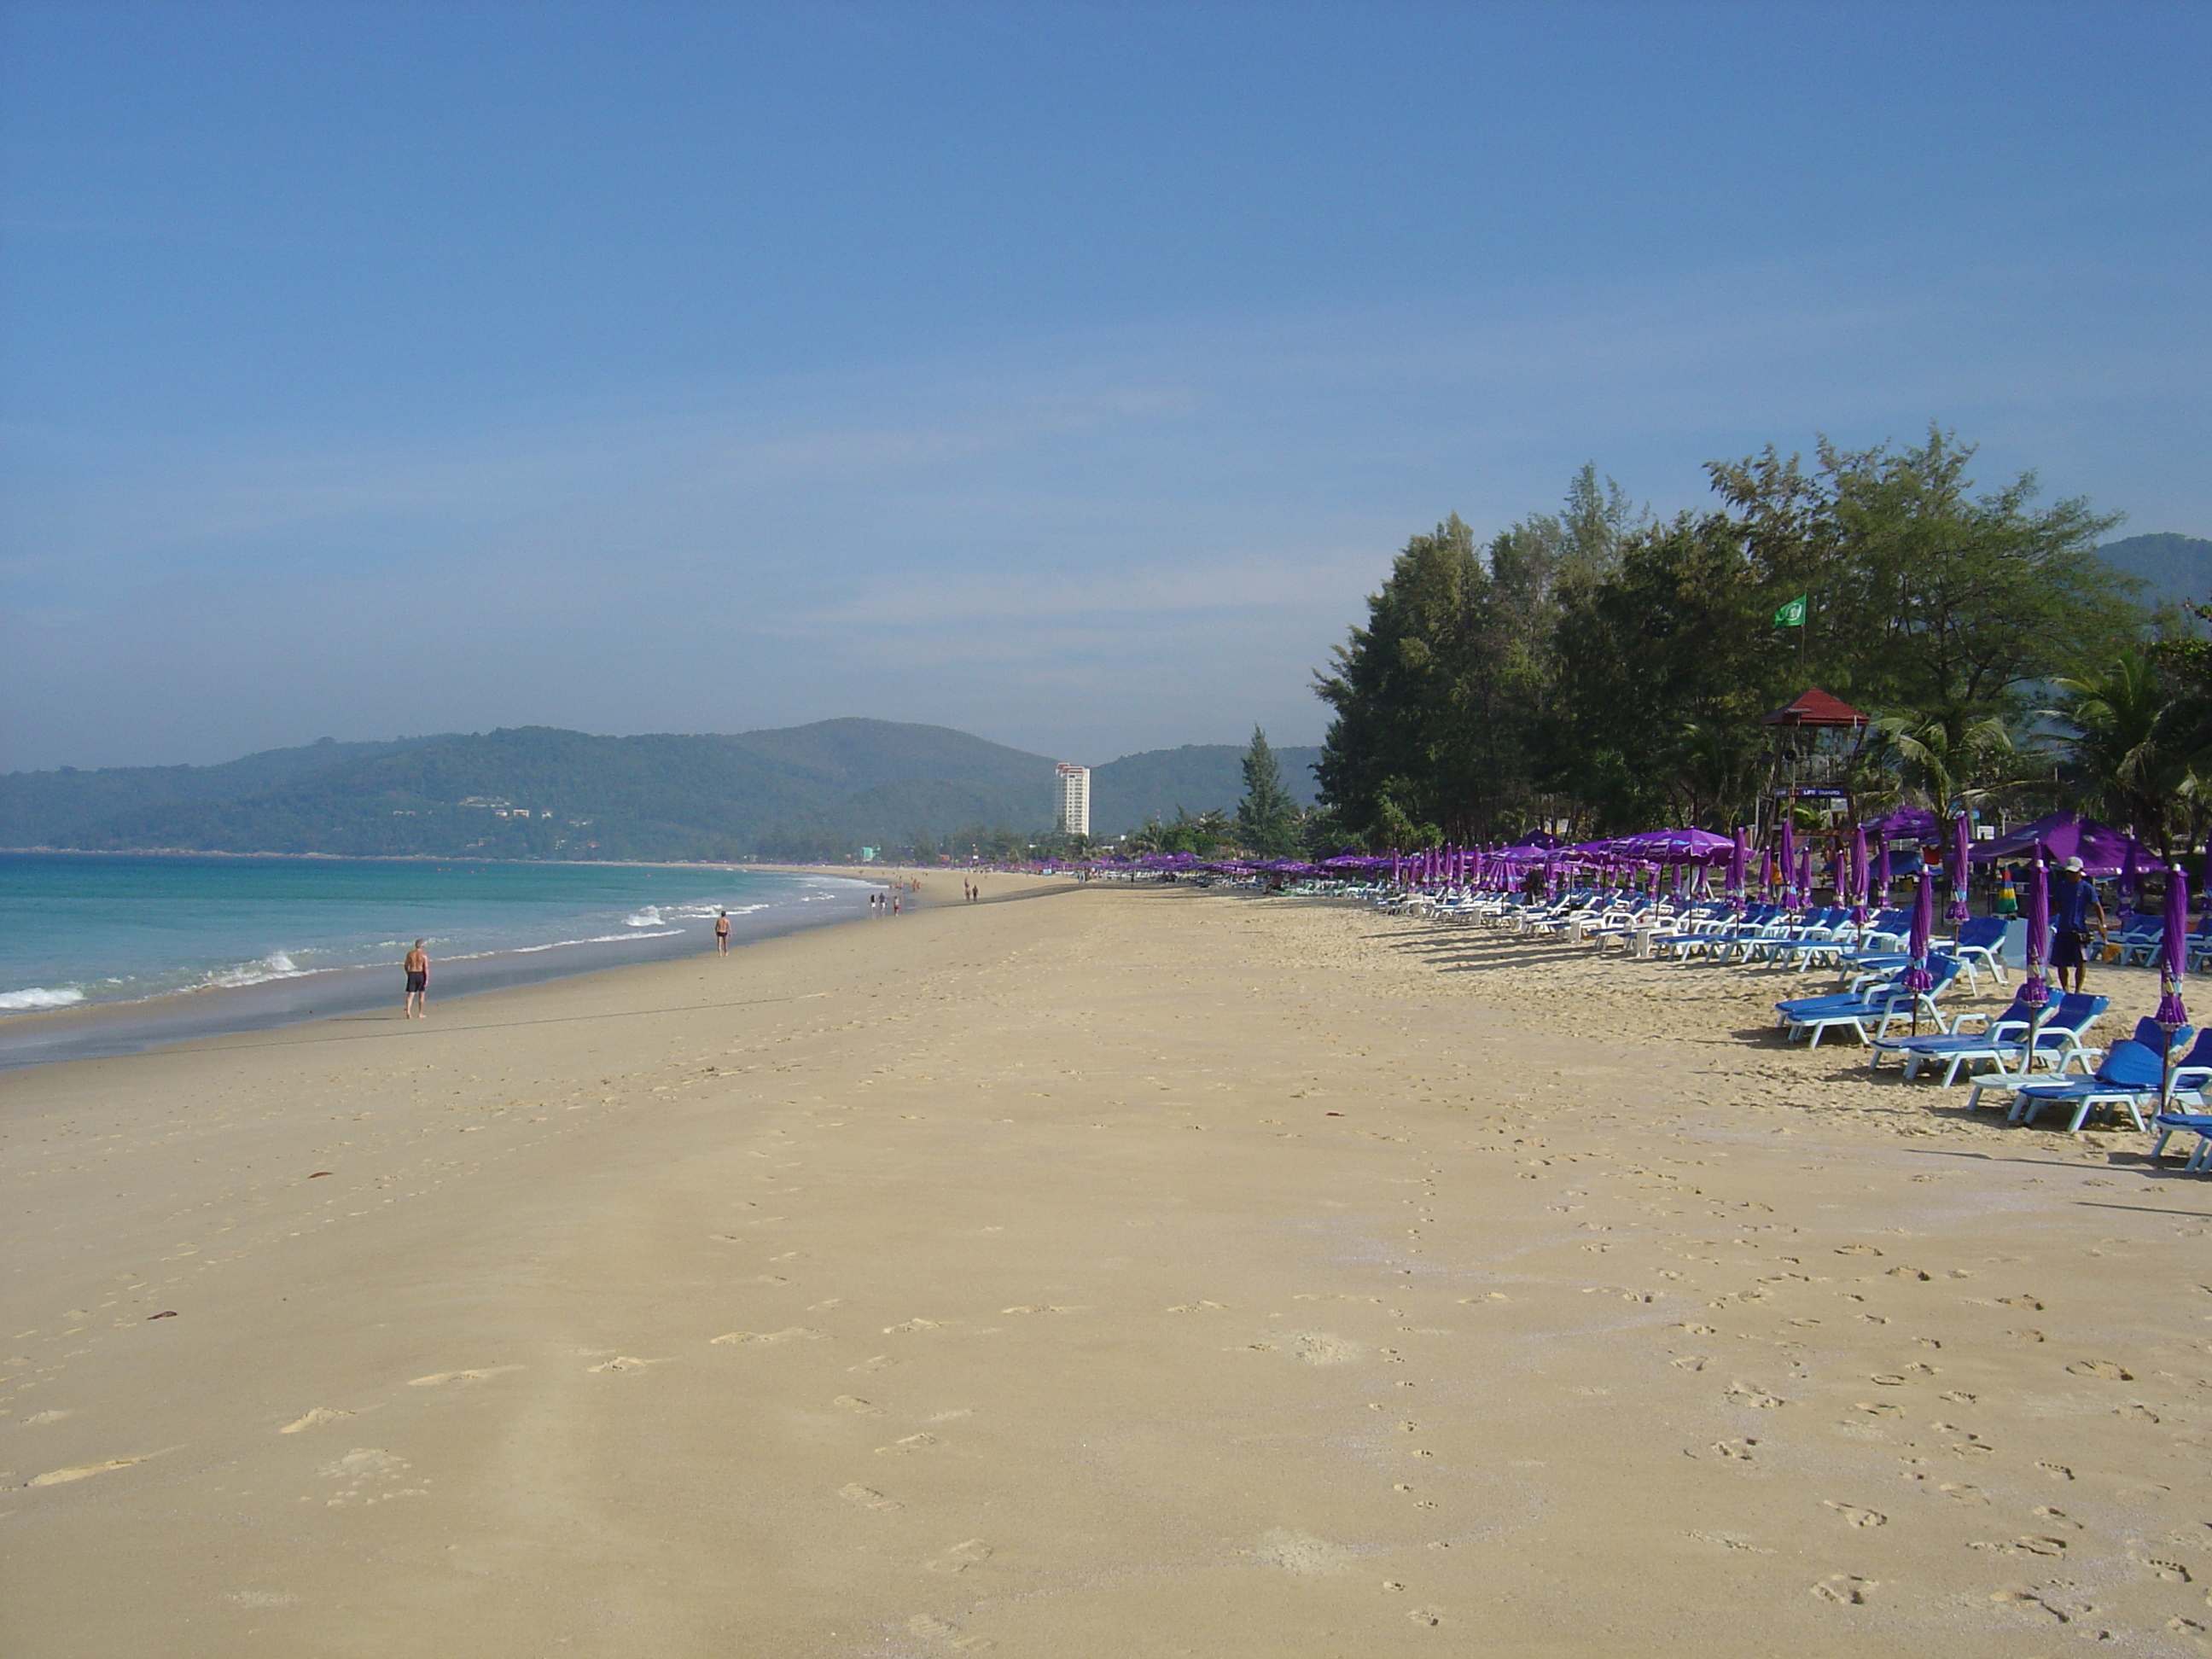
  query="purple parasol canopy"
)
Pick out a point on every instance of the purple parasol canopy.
point(1859, 873)
point(2173, 952)
point(1962, 843)
point(2034, 993)
point(2103, 850)
point(1917, 977)
point(1788, 861)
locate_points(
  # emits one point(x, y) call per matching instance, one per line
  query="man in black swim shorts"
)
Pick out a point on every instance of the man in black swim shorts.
point(418, 969)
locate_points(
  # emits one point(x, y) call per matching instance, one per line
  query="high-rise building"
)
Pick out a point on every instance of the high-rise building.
point(1074, 799)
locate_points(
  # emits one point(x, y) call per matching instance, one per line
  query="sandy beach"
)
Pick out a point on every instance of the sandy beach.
point(1091, 1271)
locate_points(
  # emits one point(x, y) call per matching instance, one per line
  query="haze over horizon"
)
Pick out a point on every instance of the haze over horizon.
point(1065, 375)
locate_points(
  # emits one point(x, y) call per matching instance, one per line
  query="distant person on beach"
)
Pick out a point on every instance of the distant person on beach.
point(722, 935)
point(417, 968)
point(2074, 895)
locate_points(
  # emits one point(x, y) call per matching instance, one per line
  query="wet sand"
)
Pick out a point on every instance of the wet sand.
point(1099, 1272)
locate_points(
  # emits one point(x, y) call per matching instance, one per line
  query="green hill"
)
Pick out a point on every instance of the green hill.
point(1195, 777)
point(2176, 569)
point(536, 792)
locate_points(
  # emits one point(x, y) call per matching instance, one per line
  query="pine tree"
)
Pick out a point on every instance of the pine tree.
point(1268, 817)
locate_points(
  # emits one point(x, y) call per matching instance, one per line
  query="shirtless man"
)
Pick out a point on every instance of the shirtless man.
point(722, 935)
point(418, 968)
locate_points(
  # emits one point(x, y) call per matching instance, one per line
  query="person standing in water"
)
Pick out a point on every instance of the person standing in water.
point(417, 968)
point(722, 933)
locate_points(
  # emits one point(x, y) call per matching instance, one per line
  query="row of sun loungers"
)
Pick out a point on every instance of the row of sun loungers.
point(2024, 1059)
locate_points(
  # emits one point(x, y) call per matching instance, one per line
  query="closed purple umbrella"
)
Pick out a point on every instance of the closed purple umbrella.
point(1880, 897)
point(2173, 964)
point(2130, 881)
point(1858, 876)
point(1739, 862)
point(2034, 993)
point(1789, 855)
point(1917, 977)
point(1961, 839)
point(1805, 873)
point(2173, 952)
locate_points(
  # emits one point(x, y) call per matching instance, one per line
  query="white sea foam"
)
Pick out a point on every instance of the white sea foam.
point(558, 944)
point(275, 965)
point(36, 997)
point(648, 917)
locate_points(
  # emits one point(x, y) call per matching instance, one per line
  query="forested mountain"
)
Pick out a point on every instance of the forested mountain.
point(2174, 568)
point(536, 791)
point(1198, 777)
point(818, 791)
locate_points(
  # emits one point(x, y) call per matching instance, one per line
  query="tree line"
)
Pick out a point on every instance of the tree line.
point(1608, 668)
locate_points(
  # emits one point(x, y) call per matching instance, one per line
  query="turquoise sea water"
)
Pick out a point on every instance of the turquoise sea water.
point(78, 929)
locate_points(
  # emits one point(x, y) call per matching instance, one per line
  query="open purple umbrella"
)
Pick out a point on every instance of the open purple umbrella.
point(2173, 964)
point(1788, 856)
point(1961, 844)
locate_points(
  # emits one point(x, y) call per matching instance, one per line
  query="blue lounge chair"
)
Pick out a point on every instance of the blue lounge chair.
point(1881, 1007)
point(2170, 1124)
point(1976, 947)
point(2139, 938)
point(2001, 1039)
point(2128, 1080)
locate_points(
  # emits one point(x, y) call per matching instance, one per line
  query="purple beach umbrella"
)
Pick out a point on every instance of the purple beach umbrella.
point(2034, 993)
point(1739, 868)
point(1880, 897)
point(1788, 858)
point(2173, 952)
point(1859, 873)
point(1961, 843)
point(1917, 977)
point(2173, 964)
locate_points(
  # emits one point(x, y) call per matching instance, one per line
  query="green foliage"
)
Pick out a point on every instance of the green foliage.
point(1124, 793)
point(1598, 666)
point(1266, 816)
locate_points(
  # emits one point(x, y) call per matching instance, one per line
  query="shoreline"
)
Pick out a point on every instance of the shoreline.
point(86, 1030)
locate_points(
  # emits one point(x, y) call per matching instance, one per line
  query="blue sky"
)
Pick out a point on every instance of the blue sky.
point(1066, 373)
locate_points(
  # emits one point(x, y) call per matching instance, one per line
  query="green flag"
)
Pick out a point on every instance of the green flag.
point(1792, 615)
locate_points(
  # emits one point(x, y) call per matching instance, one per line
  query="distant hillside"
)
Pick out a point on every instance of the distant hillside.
point(1195, 777)
point(536, 792)
point(2177, 569)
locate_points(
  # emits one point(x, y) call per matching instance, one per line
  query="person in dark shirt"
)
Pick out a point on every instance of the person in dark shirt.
point(2073, 898)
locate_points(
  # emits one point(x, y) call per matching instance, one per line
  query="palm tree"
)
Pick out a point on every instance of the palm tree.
point(1949, 758)
point(2117, 737)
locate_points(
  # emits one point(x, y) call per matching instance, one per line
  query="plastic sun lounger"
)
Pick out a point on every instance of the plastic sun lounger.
point(2001, 1042)
point(1817, 1016)
point(2170, 1124)
point(2128, 1080)
point(2139, 938)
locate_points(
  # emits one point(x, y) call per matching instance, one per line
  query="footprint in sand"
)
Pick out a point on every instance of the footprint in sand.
point(261, 1599)
point(2109, 1370)
point(854, 1403)
point(1199, 1307)
point(914, 1325)
point(624, 1362)
point(1857, 1516)
point(315, 1419)
point(868, 1498)
point(1747, 1393)
point(1430, 1616)
point(969, 1552)
point(930, 1627)
point(44, 1418)
point(1843, 1590)
point(438, 1379)
point(1741, 1450)
point(769, 1338)
point(913, 1442)
point(881, 1361)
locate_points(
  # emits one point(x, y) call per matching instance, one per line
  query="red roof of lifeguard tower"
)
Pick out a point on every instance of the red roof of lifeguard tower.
point(1815, 707)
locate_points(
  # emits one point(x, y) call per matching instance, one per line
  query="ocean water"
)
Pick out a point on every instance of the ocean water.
point(316, 935)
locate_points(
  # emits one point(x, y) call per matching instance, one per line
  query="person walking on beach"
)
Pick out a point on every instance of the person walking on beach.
point(2074, 895)
point(722, 933)
point(418, 969)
